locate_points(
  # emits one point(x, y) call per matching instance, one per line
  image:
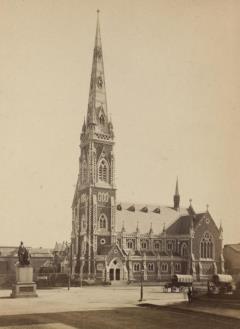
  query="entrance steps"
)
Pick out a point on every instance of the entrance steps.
point(119, 283)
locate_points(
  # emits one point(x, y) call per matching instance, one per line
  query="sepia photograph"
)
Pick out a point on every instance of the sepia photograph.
point(120, 164)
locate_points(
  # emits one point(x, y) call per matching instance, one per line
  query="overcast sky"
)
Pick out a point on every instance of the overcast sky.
point(173, 81)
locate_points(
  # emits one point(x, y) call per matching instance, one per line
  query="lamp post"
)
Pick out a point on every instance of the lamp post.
point(141, 287)
point(69, 265)
point(69, 279)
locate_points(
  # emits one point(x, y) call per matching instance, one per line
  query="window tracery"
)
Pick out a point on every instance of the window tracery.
point(207, 246)
point(103, 171)
point(102, 222)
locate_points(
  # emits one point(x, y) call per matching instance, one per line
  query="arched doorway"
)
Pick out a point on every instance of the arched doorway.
point(116, 270)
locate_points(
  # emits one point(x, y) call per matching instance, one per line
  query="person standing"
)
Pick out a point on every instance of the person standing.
point(189, 295)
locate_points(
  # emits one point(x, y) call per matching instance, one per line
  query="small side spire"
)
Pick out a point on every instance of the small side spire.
point(123, 227)
point(176, 197)
point(221, 231)
point(84, 126)
point(207, 208)
point(151, 229)
point(164, 227)
point(220, 227)
point(190, 209)
point(137, 228)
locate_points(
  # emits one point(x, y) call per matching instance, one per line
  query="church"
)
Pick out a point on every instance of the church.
point(115, 241)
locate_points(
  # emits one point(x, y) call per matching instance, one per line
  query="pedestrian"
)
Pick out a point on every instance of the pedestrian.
point(189, 295)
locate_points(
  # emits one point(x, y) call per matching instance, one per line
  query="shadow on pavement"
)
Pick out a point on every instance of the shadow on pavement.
point(140, 318)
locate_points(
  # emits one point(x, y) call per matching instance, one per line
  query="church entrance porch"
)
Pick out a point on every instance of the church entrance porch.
point(116, 270)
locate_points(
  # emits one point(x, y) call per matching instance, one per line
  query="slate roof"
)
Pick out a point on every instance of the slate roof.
point(34, 252)
point(40, 252)
point(144, 216)
point(235, 247)
point(181, 226)
point(8, 251)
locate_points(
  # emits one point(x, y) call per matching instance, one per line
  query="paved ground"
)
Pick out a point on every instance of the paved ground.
point(105, 308)
point(86, 298)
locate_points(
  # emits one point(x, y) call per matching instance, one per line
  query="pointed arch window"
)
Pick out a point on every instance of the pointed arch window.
point(136, 267)
point(130, 244)
point(184, 250)
point(150, 267)
point(102, 222)
point(103, 171)
point(84, 223)
point(144, 244)
point(207, 246)
point(101, 119)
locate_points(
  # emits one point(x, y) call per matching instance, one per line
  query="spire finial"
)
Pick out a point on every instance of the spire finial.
point(207, 207)
point(177, 190)
point(98, 11)
point(190, 201)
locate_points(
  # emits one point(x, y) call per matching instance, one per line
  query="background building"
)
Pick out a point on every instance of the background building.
point(9, 259)
point(231, 253)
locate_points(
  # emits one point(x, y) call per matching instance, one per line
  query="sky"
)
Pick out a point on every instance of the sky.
point(172, 72)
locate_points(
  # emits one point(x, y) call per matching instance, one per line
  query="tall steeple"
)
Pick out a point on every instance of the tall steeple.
point(176, 198)
point(94, 202)
point(97, 117)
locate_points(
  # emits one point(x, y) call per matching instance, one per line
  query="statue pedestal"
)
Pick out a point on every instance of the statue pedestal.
point(24, 286)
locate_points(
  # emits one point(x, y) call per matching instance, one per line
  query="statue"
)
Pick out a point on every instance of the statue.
point(23, 255)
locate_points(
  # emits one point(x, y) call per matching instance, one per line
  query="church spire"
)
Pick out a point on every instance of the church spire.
point(176, 198)
point(97, 102)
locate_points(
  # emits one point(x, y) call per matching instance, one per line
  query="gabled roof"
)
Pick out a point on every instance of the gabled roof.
point(60, 246)
point(145, 217)
point(183, 224)
point(106, 249)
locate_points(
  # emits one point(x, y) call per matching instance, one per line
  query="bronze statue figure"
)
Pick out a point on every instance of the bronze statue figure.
point(23, 255)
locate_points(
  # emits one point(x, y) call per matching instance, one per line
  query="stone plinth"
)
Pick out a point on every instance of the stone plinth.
point(24, 286)
point(24, 274)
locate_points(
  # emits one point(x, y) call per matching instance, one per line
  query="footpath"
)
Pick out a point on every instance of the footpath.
point(220, 307)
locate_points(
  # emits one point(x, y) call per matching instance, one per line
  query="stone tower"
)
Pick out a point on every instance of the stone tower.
point(94, 202)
